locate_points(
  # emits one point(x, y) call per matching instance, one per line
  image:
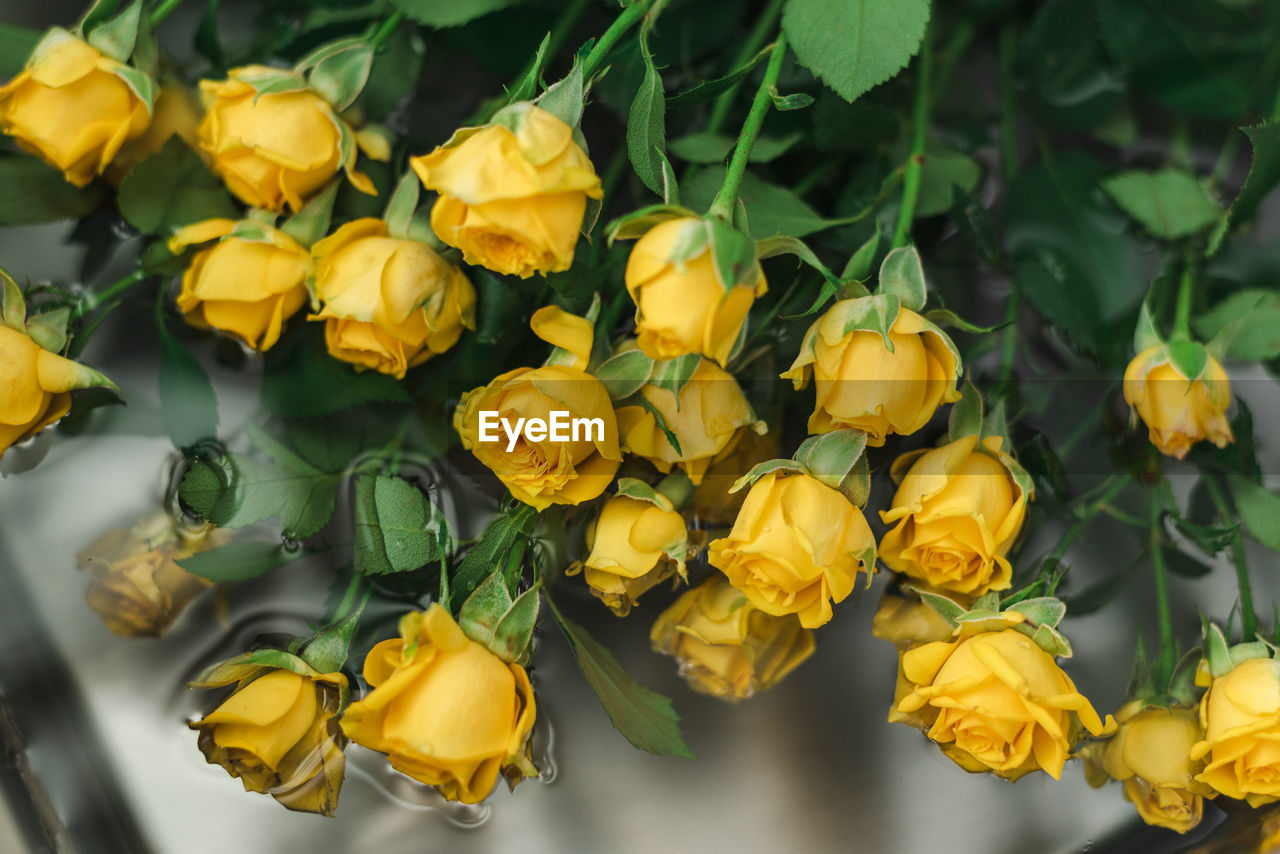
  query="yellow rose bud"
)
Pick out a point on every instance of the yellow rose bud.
point(512, 193)
point(1240, 715)
point(542, 472)
point(797, 546)
point(861, 384)
point(137, 587)
point(279, 734)
point(681, 307)
point(1149, 753)
point(727, 647)
point(958, 510)
point(705, 420)
point(996, 702)
point(1178, 412)
point(176, 111)
point(447, 711)
point(389, 304)
point(244, 285)
point(72, 107)
point(635, 545)
point(907, 622)
point(37, 386)
point(712, 500)
point(274, 150)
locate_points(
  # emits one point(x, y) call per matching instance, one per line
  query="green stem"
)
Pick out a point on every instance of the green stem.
point(95, 299)
point(159, 13)
point(961, 38)
point(723, 204)
point(1113, 487)
point(617, 29)
point(1182, 317)
point(386, 28)
point(349, 597)
point(1164, 661)
point(1249, 620)
point(915, 160)
point(754, 41)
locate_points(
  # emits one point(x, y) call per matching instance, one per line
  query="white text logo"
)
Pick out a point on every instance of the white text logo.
point(559, 428)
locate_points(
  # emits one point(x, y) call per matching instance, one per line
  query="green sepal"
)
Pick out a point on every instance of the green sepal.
point(328, 651)
point(837, 460)
point(491, 618)
point(339, 70)
point(674, 374)
point(274, 81)
point(770, 247)
point(1145, 334)
point(767, 467)
point(733, 254)
point(902, 275)
point(402, 205)
point(13, 306)
point(624, 374)
point(1189, 358)
point(858, 267)
point(638, 223)
point(49, 329)
point(947, 317)
point(875, 313)
point(142, 85)
point(659, 419)
point(1042, 610)
point(676, 488)
point(794, 101)
point(631, 487)
point(309, 224)
point(948, 609)
point(995, 422)
point(116, 37)
point(564, 98)
point(966, 414)
point(1042, 615)
point(1182, 684)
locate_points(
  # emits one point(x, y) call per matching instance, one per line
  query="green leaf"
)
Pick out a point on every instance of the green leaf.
point(34, 193)
point(187, 400)
point(674, 374)
point(238, 561)
point(396, 528)
point(902, 275)
point(16, 44)
point(853, 45)
point(706, 147)
point(1170, 203)
point(794, 101)
point(771, 209)
point(1211, 539)
point(646, 123)
point(491, 552)
point(714, 88)
point(116, 37)
point(238, 490)
point(943, 173)
point(1264, 171)
point(645, 718)
point(1245, 326)
point(172, 188)
point(625, 374)
point(300, 379)
point(1259, 509)
point(490, 617)
point(1073, 261)
point(440, 14)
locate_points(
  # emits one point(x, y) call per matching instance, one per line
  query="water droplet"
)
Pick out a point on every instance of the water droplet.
point(289, 545)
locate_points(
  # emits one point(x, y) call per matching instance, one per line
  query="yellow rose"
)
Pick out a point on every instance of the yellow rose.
point(1240, 715)
point(705, 420)
point(73, 107)
point(389, 304)
point(681, 307)
point(861, 384)
point(175, 112)
point(247, 284)
point(541, 472)
point(1149, 753)
point(274, 150)
point(796, 547)
point(137, 587)
point(958, 510)
point(727, 647)
point(996, 702)
point(712, 500)
point(447, 711)
point(279, 733)
point(36, 388)
point(635, 545)
point(1178, 412)
point(907, 622)
point(512, 193)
